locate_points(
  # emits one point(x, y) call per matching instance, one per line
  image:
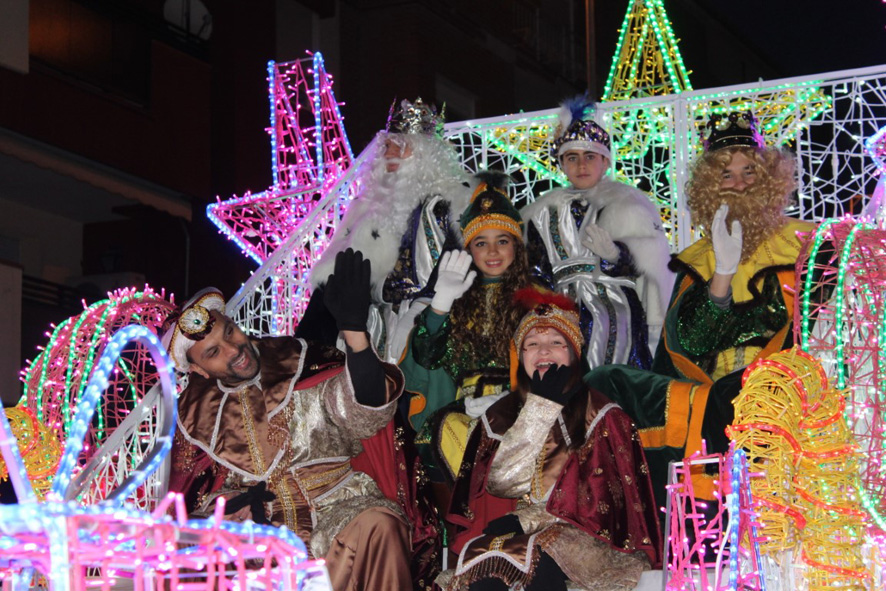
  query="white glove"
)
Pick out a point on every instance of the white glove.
point(454, 278)
point(599, 242)
point(727, 246)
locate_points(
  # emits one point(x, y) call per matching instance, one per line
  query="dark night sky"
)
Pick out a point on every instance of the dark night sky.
point(792, 37)
point(809, 36)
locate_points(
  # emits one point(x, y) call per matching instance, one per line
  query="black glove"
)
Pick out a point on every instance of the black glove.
point(505, 524)
point(553, 385)
point(347, 291)
point(255, 497)
point(368, 377)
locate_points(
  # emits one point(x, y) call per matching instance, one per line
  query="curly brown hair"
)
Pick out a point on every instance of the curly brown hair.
point(469, 313)
point(759, 207)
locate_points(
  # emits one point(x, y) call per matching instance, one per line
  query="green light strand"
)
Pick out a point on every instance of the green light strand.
point(98, 333)
point(870, 504)
point(637, 55)
point(674, 49)
point(607, 88)
point(666, 43)
point(44, 367)
point(73, 358)
point(745, 91)
point(839, 343)
point(821, 233)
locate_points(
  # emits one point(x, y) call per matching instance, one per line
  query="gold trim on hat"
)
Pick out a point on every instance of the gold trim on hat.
point(498, 221)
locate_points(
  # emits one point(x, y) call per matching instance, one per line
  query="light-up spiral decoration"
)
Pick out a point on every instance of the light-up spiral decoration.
point(56, 381)
point(791, 423)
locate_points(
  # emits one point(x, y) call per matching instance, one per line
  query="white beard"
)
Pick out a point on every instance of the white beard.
point(377, 219)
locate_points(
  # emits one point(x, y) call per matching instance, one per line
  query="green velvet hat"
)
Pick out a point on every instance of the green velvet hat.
point(491, 207)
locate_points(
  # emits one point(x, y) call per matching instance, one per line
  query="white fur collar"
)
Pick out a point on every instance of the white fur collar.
point(605, 192)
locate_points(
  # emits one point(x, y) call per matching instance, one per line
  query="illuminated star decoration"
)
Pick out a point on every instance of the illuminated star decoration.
point(109, 542)
point(646, 62)
point(309, 151)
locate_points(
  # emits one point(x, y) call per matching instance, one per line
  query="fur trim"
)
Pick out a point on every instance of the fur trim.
point(631, 218)
point(378, 217)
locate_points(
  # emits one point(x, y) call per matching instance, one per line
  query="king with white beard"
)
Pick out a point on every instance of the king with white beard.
point(410, 195)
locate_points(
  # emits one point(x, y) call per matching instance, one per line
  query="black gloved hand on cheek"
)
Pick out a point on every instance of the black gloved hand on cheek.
point(347, 291)
point(255, 497)
point(554, 384)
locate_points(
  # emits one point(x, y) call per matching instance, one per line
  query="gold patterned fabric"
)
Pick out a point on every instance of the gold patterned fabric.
point(296, 427)
point(539, 462)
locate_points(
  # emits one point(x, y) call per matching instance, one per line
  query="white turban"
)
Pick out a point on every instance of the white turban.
point(192, 325)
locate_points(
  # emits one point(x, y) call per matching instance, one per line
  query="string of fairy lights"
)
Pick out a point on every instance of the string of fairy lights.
point(844, 261)
point(55, 382)
point(647, 58)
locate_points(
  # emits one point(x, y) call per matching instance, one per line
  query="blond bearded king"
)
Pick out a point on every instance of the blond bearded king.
point(732, 301)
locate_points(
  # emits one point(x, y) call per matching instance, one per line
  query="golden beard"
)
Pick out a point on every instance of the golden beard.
point(759, 208)
point(758, 222)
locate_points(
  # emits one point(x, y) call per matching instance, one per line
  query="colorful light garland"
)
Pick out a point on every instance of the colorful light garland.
point(80, 547)
point(306, 161)
point(57, 379)
point(842, 320)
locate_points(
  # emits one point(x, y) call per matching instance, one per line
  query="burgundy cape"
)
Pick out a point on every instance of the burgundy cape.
point(388, 457)
point(612, 449)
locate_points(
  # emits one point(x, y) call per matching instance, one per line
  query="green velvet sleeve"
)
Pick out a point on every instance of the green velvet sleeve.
point(704, 328)
point(429, 339)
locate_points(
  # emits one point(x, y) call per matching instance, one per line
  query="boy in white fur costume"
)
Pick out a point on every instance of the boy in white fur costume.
point(601, 242)
point(405, 215)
